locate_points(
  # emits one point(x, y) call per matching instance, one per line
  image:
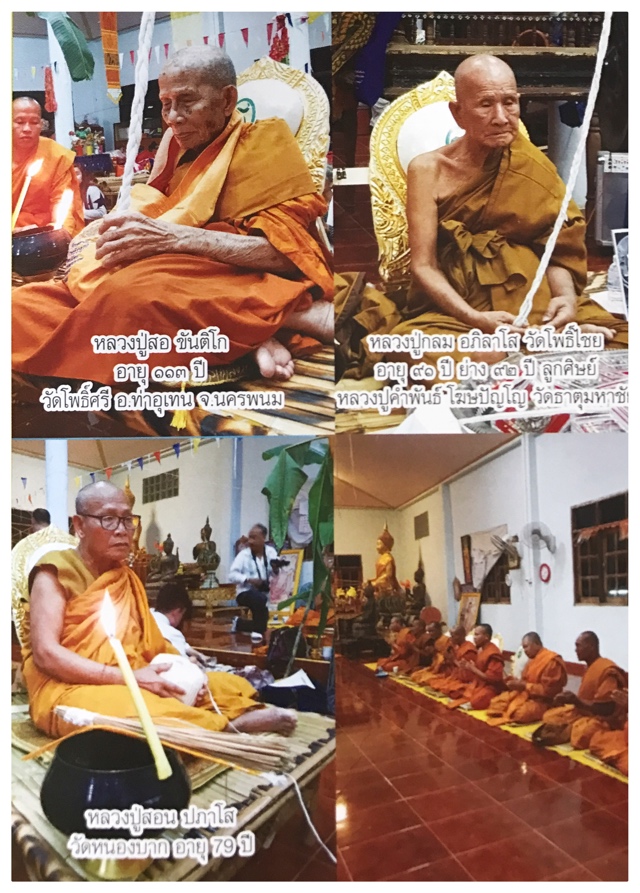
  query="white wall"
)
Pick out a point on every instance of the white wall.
point(432, 548)
point(33, 469)
point(356, 532)
point(574, 469)
point(28, 52)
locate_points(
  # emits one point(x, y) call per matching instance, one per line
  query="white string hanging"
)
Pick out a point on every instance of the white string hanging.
point(137, 107)
point(522, 318)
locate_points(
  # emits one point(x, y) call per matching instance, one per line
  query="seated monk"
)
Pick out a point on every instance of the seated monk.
point(453, 678)
point(68, 659)
point(404, 653)
point(526, 699)
point(312, 620)
point(436, 656)
point(220, 236)
point(487, 670)
point(593, 709)
point(480, 211)
point(54, 177)
point(612, 747)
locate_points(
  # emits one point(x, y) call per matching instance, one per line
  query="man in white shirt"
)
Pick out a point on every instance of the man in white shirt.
point(251, 571)
point(173, 606)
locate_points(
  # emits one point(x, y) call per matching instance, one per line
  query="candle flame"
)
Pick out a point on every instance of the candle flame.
point(63, 209)
point(34, 167)
point(108, 615)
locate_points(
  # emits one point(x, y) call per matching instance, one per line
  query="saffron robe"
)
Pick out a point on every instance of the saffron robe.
point(45, 189)
point(251, 180)
point(545, 676)
point(404, 653)
point(454, 679)
point(479, 692)
point(442, 649)
point(601, 678)
point(612, 747)
point(491, 236)
point(83, 633)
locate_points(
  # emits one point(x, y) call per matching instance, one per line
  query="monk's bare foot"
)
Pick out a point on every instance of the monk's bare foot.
point(274, 360)
point(269, 719)
point(589, 328)
point(316, 321)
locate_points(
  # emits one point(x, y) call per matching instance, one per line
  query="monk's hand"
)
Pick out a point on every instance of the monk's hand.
point(561, 311)
point(609, 334)
point(488, 322)
point(515, 685)
point(130, 236)
point(565, 697)
point(150, 678)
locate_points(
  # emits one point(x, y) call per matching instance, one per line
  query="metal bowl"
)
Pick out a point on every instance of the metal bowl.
point(36, 252)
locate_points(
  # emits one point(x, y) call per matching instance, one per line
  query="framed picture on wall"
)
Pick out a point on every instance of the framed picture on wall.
point(465, 542)
point(468, 610)
point(285, 584)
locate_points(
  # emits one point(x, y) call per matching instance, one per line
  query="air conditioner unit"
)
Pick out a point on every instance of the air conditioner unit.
point(612, 195)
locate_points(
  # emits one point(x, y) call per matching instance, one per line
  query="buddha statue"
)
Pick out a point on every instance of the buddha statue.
point(135, 544)
point(169, 563)
point(206, 557)
point(419, 596)
point(389, 592)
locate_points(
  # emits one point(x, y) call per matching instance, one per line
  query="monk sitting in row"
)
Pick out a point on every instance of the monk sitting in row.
point(406, 646)
point(526, 699)
point(54, 177)
point(453, 678)
point(612, 747)
point(437, 655)
point(68, 659)
point(220, 236)
point(480, 211)
point(487, 670)
point(577, 717)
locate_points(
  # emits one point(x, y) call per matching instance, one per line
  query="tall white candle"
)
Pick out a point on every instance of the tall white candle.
point(32, 170)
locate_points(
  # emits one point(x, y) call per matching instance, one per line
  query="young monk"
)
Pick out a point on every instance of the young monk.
point(487, 670)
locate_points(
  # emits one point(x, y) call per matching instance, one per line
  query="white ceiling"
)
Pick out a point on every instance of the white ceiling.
point(378, 471)
point(95, 455)
point(89, 23)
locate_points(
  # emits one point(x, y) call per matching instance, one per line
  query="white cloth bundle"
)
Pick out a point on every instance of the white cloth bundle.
point(183, 673)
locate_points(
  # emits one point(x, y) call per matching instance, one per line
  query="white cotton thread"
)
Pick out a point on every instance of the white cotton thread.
point(137, 107)
point(280, 780)
point(522, 318)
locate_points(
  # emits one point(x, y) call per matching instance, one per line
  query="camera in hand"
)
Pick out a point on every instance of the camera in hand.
point(278, 563)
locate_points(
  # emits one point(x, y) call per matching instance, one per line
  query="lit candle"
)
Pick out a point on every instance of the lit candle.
point(32, 170)
point(62, 209)
point(108, 618)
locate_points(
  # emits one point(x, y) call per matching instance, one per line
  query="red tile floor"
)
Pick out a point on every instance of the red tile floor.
point(431, 794)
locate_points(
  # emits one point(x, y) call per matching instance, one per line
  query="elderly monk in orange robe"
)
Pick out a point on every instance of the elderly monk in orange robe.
point(487, 669)
point(613, 747)
point(454, 678)
point(54, 177)
point(526, 699)
point(68, 659)
point(220, 236)
point(405, 653)
point(480, 211)
point(593, 709)
point(438, 654)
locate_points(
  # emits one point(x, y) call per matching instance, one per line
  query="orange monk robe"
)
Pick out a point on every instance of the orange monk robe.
point(46, 188)
point(479, 692)
point(545, 676)
point(612, 747)
point(404, 654)
point(454, 680)
point(443, 653)
point(251, 180)
point(600, 679)
point(83, 633)
point(312, 619)
point(491, 235)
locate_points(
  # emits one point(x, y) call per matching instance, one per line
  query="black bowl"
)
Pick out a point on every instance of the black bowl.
point(105, 770)
point(39, 251)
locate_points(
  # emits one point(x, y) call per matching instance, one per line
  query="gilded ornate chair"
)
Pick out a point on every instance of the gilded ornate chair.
point(23, 558)
point(269, 89)
point(418, 121)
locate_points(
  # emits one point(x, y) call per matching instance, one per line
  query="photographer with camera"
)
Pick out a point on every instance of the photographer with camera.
point(251, 571)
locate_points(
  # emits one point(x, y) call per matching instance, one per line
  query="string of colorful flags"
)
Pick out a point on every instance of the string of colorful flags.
point(176, 449)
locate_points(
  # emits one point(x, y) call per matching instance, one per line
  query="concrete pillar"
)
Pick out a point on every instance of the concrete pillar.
point(62, 82)
point(57, 472)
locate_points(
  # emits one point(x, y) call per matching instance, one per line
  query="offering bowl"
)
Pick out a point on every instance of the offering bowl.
point(38, 251)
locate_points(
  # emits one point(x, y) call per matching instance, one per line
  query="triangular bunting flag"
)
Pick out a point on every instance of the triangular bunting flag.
point(132, 56)
point(176, 449)
point(30, 500)
point(156, 456)
point(121, 58)
point(140, 461)
point(166, 51)
point(108, 472)
point(205, 39)
point(128, 466)
point(24, 483)
point(33, 74)
point(78, 481)
point(221, 39)
point(245, 36)
point(92, 475)
point(196, 444)
point(269, 32)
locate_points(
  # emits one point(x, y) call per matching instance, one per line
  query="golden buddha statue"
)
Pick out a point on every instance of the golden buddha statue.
point(385, 581)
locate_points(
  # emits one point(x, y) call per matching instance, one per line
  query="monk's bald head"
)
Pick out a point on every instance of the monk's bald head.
point(26, 102)
point(478, 69)
point(458, 635)
point(92, 496)
point(208, 64)
point(487, 105)
point(26, 117)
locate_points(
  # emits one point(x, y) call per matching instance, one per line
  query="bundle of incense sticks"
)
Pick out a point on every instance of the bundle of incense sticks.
point(239, 750)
